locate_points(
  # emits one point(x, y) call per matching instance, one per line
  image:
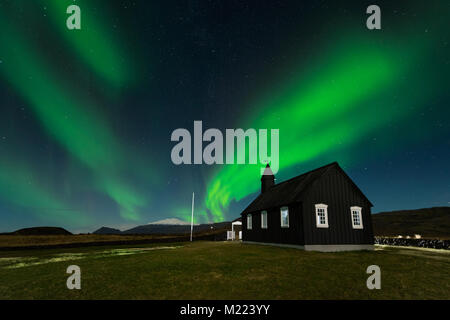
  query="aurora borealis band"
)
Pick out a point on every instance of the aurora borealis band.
point(86, 115)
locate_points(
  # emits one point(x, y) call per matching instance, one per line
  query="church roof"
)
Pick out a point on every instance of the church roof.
point(290, 191)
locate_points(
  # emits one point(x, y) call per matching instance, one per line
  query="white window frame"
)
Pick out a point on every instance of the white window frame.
point(249, 221)
point(359, 211)
point(263, 213)
point(281, 217)
point(325, 209)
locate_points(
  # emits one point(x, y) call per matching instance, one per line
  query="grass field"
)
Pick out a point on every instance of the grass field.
point(221, 270)
point(44, 240)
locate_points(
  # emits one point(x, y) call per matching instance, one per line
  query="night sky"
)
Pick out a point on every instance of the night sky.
point(86, 115)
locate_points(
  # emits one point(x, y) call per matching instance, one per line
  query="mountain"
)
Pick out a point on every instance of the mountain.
point(176, 229)
point(159, 229)
point(106, 230)
point(171, 221)
point(163, 228)
point(41, 231)
point(428, 222)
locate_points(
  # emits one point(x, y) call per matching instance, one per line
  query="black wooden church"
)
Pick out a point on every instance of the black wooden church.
point(321, 210)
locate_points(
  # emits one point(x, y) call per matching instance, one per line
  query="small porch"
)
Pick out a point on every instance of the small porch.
point(236, 230)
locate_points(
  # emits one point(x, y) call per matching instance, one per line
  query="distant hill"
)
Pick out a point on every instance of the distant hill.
point(175, 229)
point(106, 230)
point(158, 229)
point(41, 231)
point(429, 222)
point(166, 229)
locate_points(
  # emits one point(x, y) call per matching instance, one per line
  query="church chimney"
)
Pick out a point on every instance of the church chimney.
point(267, 179)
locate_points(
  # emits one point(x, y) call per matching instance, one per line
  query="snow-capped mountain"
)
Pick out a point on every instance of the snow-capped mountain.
point(172, 222)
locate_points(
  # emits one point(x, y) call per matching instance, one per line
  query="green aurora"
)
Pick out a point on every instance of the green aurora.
point(319, 112)
point(74, 121)
point(328, 98)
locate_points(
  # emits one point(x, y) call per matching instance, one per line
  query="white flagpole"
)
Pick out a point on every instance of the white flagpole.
point(192, 217)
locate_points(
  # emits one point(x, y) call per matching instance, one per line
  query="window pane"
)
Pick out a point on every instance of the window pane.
point(321, 216)
point(356, 218)
point(284, 217)
point(264, 219)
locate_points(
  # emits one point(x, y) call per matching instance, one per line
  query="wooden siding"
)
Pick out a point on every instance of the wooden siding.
point(335, 190)
point(274, 232)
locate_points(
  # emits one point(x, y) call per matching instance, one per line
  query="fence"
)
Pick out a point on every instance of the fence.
point(423, 243)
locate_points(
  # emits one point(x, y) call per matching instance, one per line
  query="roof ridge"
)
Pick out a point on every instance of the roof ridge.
point(305, 173)
point(293, 190)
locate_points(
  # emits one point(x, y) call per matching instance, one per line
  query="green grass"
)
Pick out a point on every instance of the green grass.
point(45, 240)
point(219, 270)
